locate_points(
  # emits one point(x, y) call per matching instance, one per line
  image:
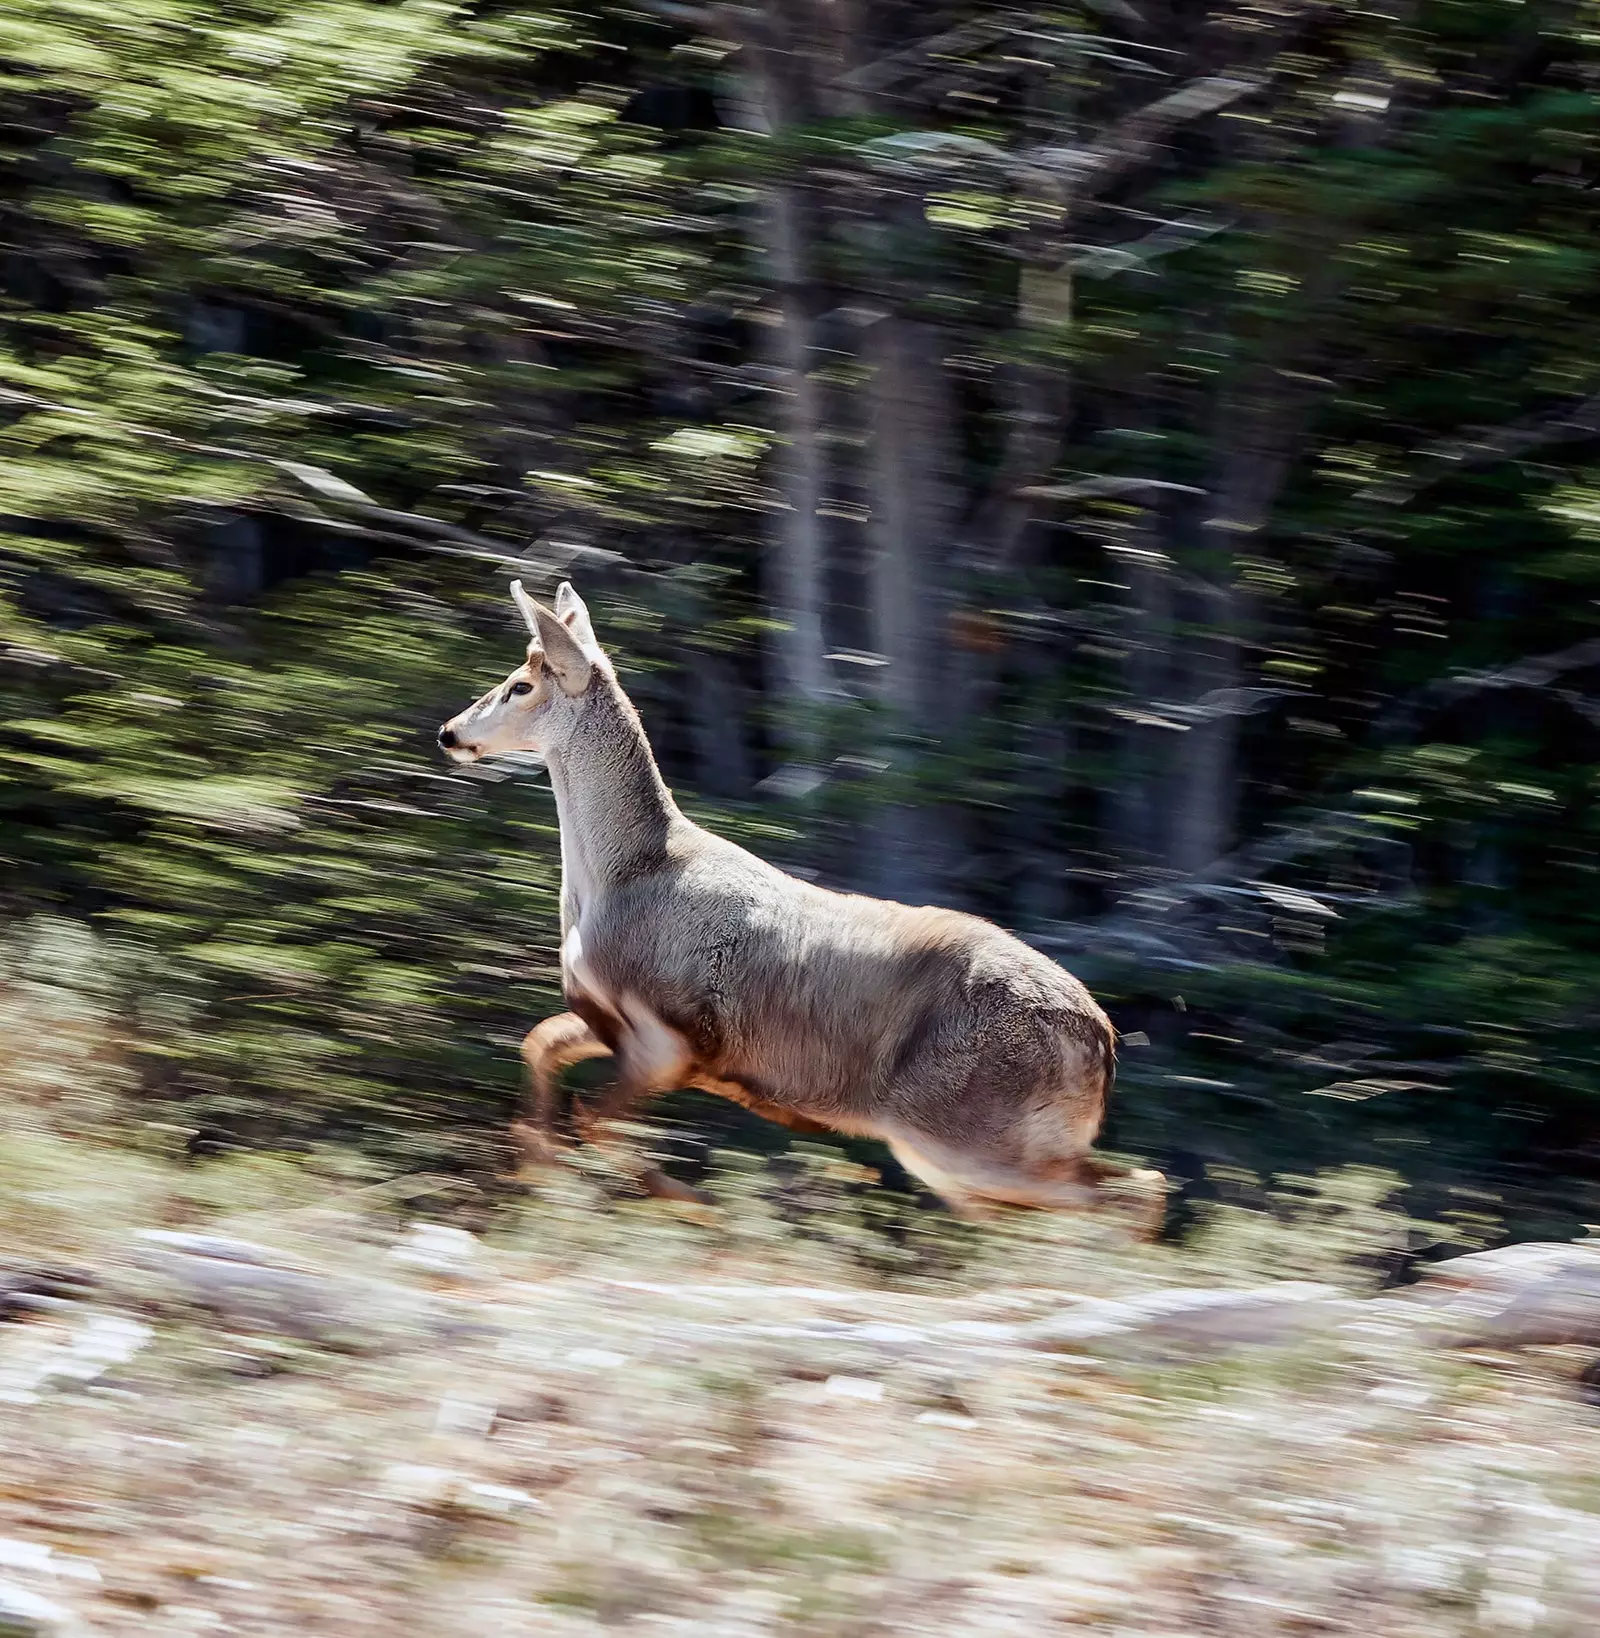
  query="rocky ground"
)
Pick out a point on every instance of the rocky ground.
point(255, 1398)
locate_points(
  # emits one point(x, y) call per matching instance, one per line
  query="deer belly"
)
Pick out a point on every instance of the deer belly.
point(797, 1120)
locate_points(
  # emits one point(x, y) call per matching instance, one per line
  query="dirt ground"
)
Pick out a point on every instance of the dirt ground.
point(801, 1418)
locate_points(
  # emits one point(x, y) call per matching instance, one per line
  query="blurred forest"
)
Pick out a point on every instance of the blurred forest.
point(1129, 470)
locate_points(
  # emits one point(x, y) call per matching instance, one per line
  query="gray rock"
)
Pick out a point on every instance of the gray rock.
point(25, 1614)
point(46, 1290)
point(222, 1247)
point(1543, 1293)
point(34, 1558)
point(34, 1363)
point(1192, 1323)
point(437, 1249)
point(254, 1287)
point(437, 1489)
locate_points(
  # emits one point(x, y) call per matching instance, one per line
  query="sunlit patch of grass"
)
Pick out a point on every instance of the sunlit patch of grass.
point(61, 1198)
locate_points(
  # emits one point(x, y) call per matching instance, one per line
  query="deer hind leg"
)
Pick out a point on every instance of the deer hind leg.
point(1086, 1183)
point(973, 1183)
point(651, 1057)
point(1057, 1168)
point(976, 1177)
point(944, 1182)
point(547, 1050)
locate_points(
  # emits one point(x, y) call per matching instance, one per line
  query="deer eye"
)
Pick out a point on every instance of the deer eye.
point(522, 688)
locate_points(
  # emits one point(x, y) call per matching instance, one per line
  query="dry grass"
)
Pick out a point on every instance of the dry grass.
point(620, 1422)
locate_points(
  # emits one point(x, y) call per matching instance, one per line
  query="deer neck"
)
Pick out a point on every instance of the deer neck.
point(614, 809)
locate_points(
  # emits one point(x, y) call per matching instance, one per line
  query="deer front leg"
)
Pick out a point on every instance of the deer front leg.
point(651, 1058)
point(633, 1084)
point(547, 1050)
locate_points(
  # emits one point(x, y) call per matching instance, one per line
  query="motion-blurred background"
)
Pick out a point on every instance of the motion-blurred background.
point(1129, 470)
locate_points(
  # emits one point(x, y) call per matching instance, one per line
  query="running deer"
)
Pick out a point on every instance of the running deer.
point(984, 1066)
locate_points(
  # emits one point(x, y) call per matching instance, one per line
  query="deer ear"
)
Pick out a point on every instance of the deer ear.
point(525, 606)
point(572, 667)
point(574, 615)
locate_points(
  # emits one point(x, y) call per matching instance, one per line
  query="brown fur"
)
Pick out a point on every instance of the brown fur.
point(984, 1066)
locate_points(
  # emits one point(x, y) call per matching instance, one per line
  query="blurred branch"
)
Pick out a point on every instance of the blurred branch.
point(1449, 456)
point(701, 17)
point(1121, 10)
point(1106, 261)
point(1249, 863)
point(939, 51)
point(1537, 672)
point(1085, 487)
point(436, 535)
point(1136, 136)
point(447, 538)
point(1080, 170)
point(887, 71)
point(1218, 705)
point(1334, 827)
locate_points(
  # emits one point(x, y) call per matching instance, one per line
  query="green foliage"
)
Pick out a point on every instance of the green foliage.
point(265, 261)
point(311, 927)
point(311, 922)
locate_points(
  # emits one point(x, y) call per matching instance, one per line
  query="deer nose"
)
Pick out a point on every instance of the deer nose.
point(447, 738)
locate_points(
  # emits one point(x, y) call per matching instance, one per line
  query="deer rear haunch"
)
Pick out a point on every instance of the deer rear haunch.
point(984, 1066)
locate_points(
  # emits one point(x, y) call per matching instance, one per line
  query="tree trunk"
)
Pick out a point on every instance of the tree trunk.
point(1143, 798)
point(1039, 891)
point(912, 464)
point(1257, 442)
point(796, 573)
point(793, 574)
point(235, 563)
point(1206, 805)
point(715, 709)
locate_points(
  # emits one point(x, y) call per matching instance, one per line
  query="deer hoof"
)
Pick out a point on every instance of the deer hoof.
point(1146, 1191)
point(659, 1186)
point(691, 1203)
point(536, 1148)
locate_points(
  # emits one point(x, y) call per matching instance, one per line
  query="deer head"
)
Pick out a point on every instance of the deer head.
point(540, 705)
